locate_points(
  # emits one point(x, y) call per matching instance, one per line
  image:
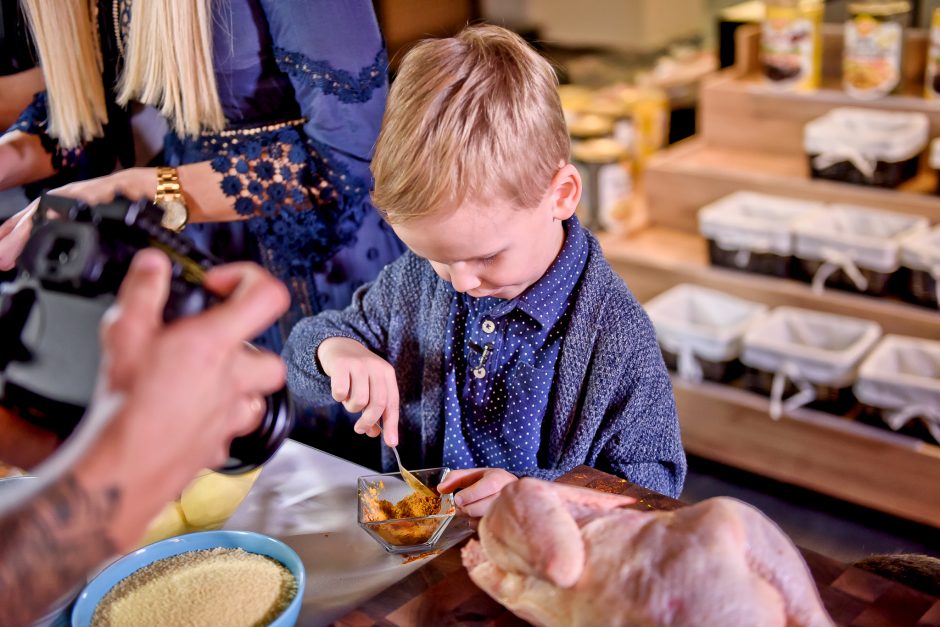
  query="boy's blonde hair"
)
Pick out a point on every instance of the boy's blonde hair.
point(472, 116)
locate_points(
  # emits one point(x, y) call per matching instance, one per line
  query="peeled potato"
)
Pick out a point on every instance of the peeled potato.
point(211, 498)
point(169, 523)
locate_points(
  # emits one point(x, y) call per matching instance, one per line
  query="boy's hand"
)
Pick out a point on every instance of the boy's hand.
point(478, 487)
point(362, 381)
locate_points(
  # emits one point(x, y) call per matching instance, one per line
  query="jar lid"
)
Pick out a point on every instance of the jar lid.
point(610, 108)
point(880, 9)
point(613, 101)
point(591, 125)
point(602, 150)
point(574, 98)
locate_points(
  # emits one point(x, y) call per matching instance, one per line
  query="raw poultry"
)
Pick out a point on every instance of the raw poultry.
point(560, 555)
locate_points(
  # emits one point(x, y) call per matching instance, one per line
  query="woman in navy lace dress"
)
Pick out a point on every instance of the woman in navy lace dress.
point(273, 108)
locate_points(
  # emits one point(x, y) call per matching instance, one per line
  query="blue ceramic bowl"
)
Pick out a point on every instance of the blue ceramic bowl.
point(247, 540)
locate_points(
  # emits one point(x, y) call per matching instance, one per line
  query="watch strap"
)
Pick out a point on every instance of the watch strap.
point(168, 184)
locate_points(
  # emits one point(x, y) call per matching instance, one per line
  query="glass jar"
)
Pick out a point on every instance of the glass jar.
point(874, 47)
point(590, 126)
point(616, 102)
point(932, 80)
point(574, 100)
point(651, 119)
point(606, 182)
point(791, 44)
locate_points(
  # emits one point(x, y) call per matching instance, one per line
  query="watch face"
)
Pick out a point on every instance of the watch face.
point(174, 214)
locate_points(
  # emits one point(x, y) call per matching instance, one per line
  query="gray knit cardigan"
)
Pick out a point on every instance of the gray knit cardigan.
point(612, 405)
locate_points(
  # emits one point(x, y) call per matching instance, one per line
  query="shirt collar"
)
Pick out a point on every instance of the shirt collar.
point(546, 299)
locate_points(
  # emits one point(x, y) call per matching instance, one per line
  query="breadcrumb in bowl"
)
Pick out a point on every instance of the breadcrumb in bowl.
point(207, 578)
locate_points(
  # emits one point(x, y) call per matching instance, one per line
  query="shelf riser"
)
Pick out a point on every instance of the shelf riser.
point(733, 427)
point(649, 273)
point(687, 177)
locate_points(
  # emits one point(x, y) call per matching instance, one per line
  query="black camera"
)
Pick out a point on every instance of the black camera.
point(67, 277)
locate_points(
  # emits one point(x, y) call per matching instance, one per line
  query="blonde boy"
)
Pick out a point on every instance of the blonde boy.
point(503, 344)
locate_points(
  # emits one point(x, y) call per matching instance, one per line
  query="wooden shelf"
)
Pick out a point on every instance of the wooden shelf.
point(752, 139)
point(680, 181)
point(658, 258)
point(742, 112)
point(739, 110)
point(834, 456)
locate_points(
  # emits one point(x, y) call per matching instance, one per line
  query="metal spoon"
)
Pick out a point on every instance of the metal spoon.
point(409, 478)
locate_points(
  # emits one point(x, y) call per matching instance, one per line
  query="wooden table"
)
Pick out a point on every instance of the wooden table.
point(442, 593)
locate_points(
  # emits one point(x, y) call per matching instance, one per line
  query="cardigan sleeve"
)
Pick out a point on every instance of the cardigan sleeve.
point(626, 422)
point(365, 320)
point(642, 441)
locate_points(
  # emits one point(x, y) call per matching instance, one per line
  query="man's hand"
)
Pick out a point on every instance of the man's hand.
point(186, 389)
point(478, 487)
point(132, 183)
point(178, 393)
point(14, 233)
point(362, 381)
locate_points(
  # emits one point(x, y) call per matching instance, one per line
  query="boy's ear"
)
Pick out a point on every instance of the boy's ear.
point(566, 192)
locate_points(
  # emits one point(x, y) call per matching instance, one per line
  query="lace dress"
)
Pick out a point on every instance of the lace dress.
point(303, 86)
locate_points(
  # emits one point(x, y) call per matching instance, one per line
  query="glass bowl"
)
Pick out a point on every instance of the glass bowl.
point(403, 534)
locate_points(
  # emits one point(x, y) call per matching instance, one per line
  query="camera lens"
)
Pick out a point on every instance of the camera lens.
point(250, 451)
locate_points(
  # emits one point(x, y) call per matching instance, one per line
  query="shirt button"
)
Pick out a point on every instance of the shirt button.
point(489, 326)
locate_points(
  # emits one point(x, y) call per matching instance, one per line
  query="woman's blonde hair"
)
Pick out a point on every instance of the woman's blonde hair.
point(72, 73)
point(168, 65)
point(472, 116)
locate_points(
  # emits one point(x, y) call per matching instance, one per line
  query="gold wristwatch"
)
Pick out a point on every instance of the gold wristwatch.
point(169, 197)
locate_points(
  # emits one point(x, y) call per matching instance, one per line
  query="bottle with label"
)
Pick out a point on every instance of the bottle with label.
point(932, 80)
point(791, 44)
point(616, 102)
point(874, 46)
point(651, 113)
point(606, 182)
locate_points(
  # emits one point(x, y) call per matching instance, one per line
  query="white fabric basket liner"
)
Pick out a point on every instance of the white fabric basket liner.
point(902, 376)
point(807, 347)
point(866, 136)
point(935, 154)
point(748, 221)
point(707, 323)
point(868, 238)
point(921, 251)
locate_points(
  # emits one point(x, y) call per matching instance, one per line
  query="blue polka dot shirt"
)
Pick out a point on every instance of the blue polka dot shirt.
point(499, 364)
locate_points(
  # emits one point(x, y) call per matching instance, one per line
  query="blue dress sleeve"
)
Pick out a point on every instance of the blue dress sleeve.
point(305, 189)
point(308, 192)
point(88, 160)
point(34, 121)
point(335, 57)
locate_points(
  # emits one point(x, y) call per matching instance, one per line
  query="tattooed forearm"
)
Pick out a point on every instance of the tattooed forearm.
point(50, 546)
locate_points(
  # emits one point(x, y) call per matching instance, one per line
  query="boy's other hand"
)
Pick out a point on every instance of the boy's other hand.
point(478, 487)
point(362, 381)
